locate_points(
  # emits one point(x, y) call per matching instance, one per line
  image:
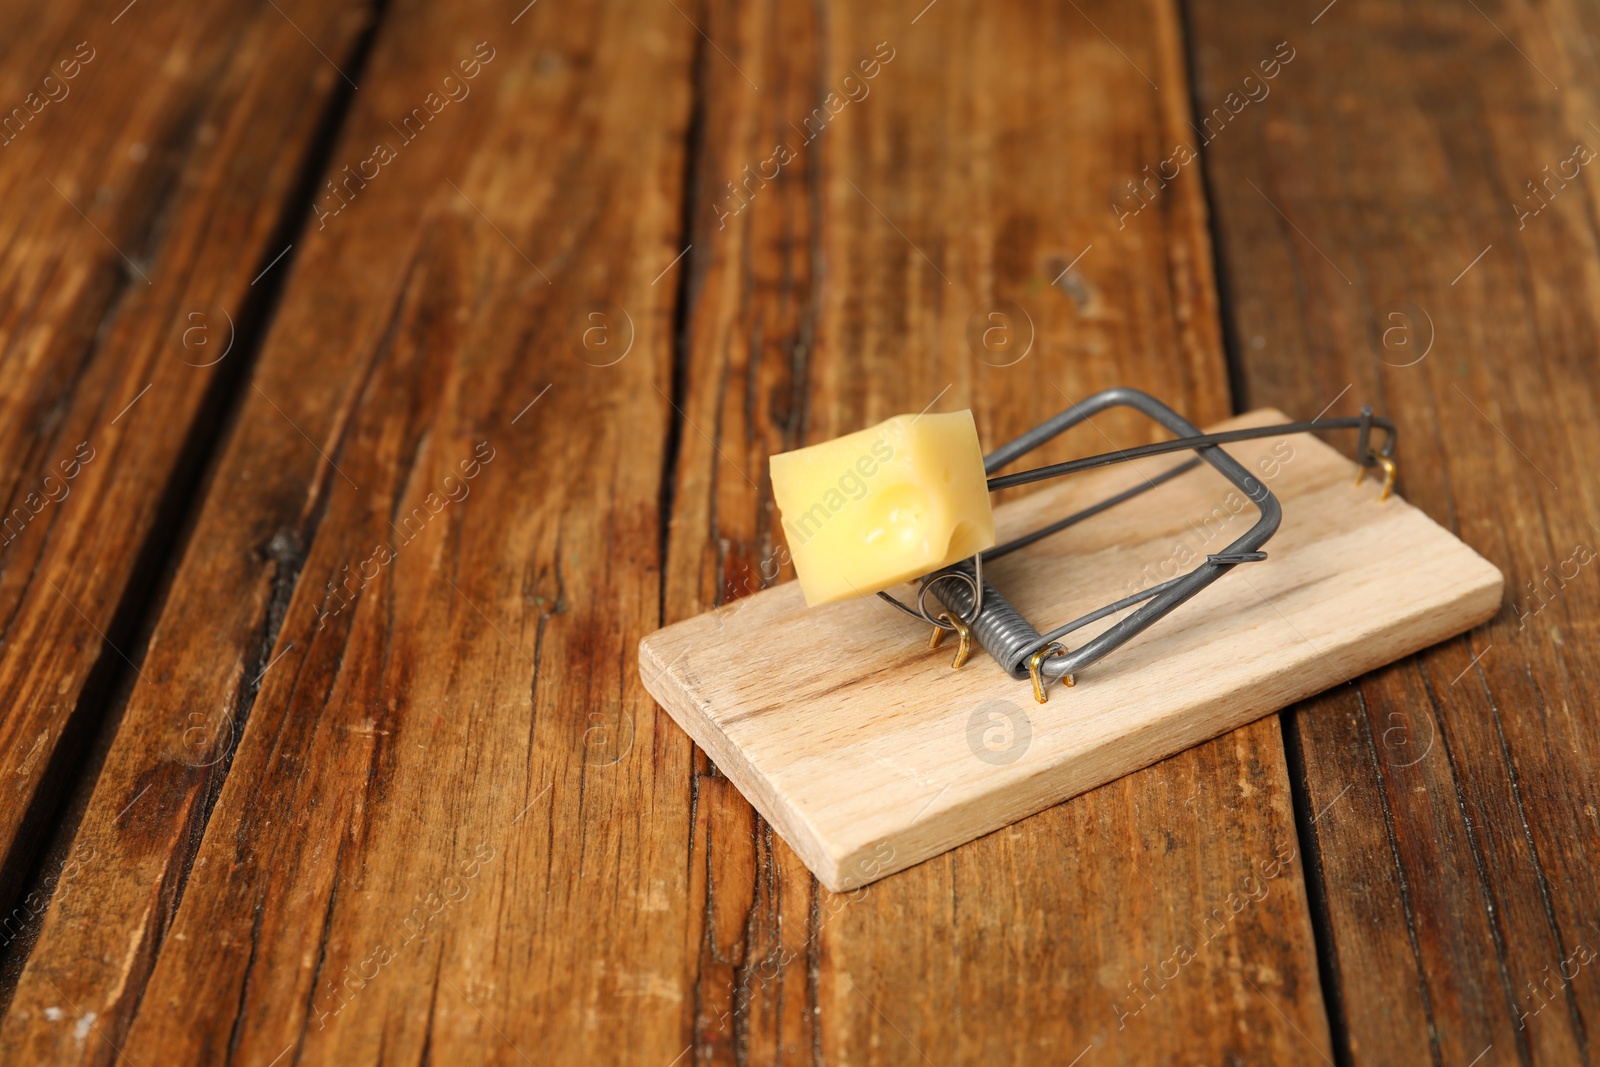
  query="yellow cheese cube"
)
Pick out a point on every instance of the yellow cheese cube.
point(874, 508)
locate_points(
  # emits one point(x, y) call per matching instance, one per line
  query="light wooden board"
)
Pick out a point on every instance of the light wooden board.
point(869, 754)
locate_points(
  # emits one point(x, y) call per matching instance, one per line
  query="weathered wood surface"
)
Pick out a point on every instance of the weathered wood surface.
point(846, 292)
point(393, 739)
point(431, 815)
point(1385, 247)
point(148, 157)
point(408, 737)
point(869, 755)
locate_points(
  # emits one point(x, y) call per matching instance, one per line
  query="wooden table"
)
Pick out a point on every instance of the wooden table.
point(375, 376)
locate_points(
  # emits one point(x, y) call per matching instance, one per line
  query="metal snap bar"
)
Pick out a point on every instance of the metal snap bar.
point(1013, 642)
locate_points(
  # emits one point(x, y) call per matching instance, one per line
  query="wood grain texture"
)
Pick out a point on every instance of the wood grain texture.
point(858, 744)
point(410, 854)
point(147, 161)
point(844, 291)
point(431, 815)
point(1393, 243)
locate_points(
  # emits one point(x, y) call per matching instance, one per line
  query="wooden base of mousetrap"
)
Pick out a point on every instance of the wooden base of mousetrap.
point(869, 754)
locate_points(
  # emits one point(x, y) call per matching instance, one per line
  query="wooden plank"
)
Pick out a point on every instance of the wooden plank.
point(855, 742)
point(844, 291)
point(480, 691)
point(147, 158)
point(1392, 244)
point(409, 796)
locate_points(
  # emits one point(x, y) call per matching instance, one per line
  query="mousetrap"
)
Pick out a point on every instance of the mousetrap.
point(870, 747)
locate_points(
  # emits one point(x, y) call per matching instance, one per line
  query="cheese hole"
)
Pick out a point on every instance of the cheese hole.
point(965, 540)
point(899, 516)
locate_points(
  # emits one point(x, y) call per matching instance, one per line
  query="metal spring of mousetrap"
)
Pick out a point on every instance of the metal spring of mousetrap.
point(976, 610)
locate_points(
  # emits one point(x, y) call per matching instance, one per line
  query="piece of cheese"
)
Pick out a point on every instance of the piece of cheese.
point(874, 508)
